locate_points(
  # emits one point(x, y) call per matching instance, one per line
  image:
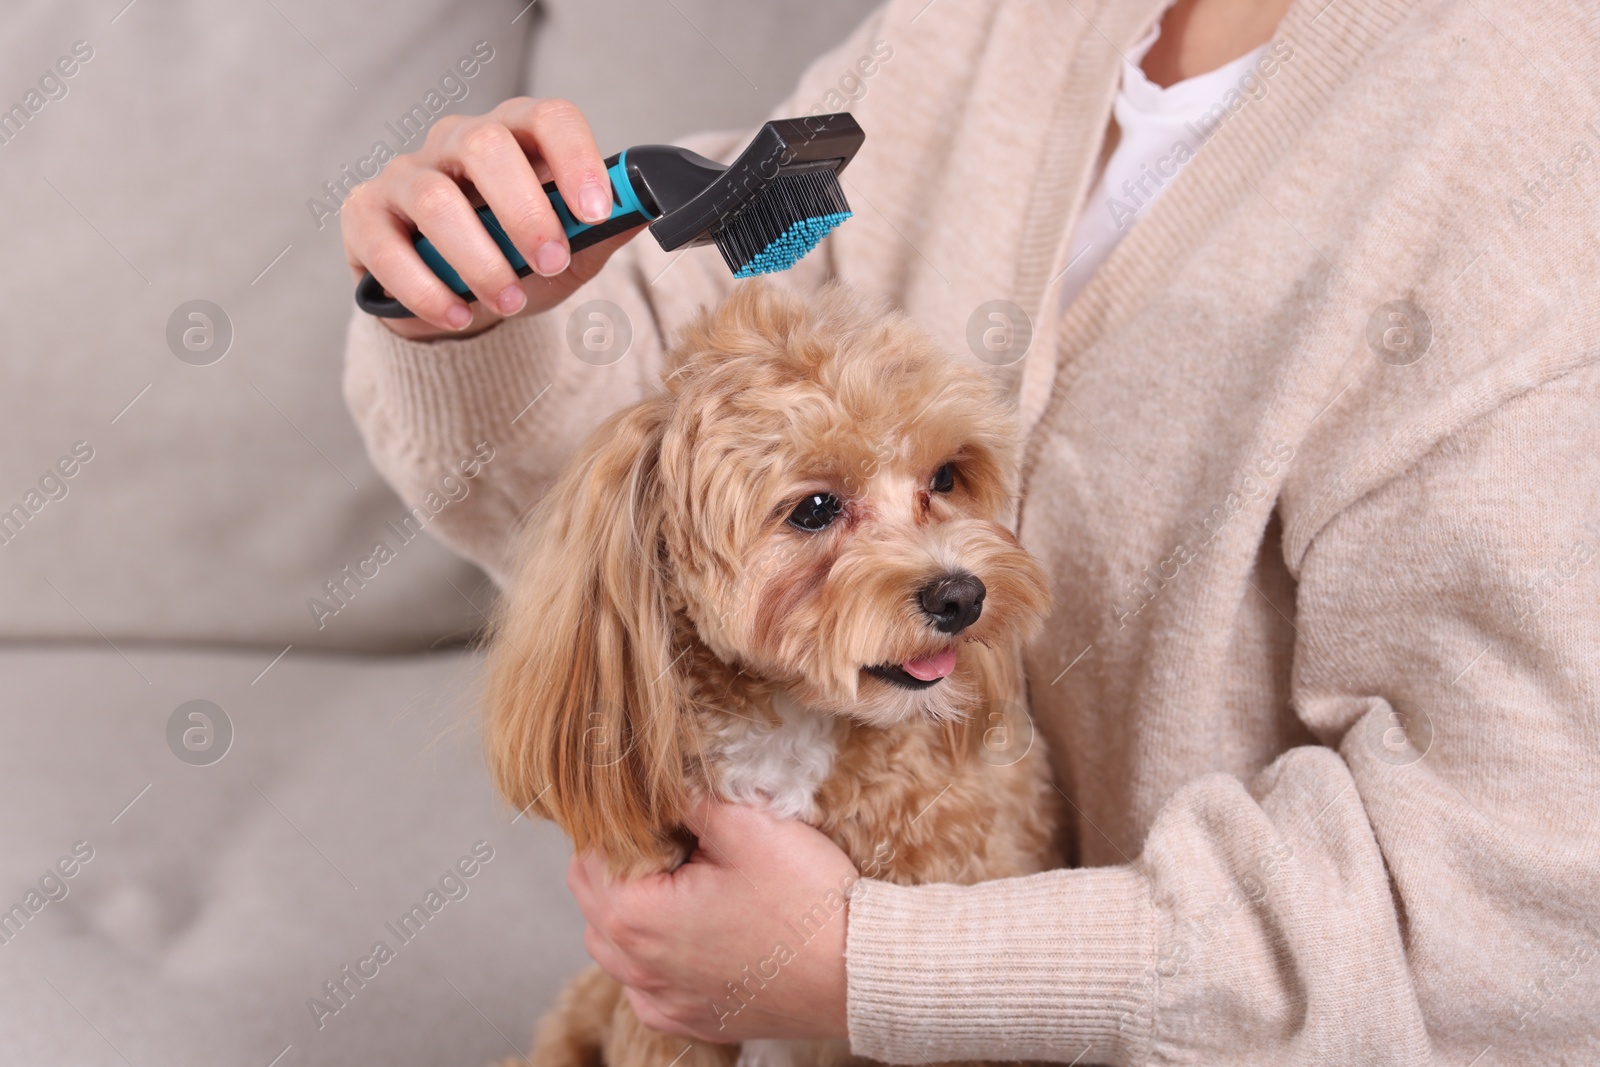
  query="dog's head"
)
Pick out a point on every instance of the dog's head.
point(815, 500)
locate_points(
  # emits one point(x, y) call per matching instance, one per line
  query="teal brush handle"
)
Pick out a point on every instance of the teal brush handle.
point(626, 213)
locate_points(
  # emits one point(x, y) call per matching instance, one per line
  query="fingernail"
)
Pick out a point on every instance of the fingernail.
point(551, 258)
point(511, 300)
point(594, 200)
point(458, 317)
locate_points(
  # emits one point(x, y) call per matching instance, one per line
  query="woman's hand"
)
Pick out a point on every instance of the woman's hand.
point(505, 156)
point(745, 940)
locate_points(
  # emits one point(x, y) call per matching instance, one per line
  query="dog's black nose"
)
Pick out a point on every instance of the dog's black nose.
point(953, 601)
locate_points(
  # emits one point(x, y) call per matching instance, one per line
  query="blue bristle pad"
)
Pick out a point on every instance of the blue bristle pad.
point(792, 245)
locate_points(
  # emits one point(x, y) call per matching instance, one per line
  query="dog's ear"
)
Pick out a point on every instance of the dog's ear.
point(585, 712)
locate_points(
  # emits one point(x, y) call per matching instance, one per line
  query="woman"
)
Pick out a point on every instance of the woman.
point(1313, 460)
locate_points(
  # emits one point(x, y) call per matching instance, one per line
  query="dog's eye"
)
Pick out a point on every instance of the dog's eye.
point(815, 512)
point(944, 479)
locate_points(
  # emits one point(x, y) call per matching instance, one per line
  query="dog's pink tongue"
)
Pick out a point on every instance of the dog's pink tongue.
point(931, 667)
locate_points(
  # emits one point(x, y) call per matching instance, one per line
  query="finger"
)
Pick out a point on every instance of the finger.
point(619, 965)
point(653, 1018)
point(604, 953)
point(556, 132)
point(354, 218)
point(723, 828)
point(436, 205)
point(494, 160)
point(582, 881)
point(379, 242)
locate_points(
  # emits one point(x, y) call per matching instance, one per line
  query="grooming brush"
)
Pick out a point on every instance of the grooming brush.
point(763, 212)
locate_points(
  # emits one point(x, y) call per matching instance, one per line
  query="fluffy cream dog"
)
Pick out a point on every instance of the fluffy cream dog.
point(783, 580)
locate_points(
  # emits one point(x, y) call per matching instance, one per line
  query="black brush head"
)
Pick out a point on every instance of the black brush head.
point(782, 224)
point(773, 203)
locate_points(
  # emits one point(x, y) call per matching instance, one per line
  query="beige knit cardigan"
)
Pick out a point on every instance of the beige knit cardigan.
point(1314, 465)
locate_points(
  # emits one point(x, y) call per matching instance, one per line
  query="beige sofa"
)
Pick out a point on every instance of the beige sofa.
point(216, 801)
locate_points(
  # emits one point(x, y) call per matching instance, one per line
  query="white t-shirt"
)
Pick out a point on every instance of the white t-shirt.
point(1161, 130)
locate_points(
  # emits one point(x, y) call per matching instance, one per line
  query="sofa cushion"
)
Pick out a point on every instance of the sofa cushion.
point(182, 161)
point(209, 899)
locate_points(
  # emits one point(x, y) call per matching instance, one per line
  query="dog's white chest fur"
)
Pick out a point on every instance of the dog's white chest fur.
point(778, 766)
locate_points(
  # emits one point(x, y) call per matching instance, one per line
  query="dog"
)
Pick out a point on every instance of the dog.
point(785, 579)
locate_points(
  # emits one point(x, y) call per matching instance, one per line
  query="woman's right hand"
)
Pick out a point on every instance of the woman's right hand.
point(504, 157)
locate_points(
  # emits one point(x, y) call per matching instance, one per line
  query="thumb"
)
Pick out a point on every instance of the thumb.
point(727, 831)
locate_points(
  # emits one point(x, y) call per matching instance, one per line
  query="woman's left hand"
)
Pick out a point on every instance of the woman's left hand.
point(746, 940)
